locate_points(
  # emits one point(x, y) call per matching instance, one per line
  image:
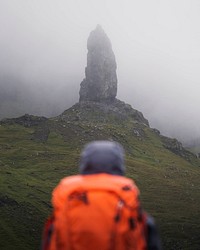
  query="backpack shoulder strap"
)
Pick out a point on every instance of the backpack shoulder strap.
point(47, 233)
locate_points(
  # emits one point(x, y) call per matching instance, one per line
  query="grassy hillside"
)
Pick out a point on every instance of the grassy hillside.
point(36, 153)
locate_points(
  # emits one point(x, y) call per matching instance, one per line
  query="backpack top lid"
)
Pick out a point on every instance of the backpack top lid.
point(102, 157)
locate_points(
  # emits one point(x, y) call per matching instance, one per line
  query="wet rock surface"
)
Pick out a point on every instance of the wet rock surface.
point(100, 83)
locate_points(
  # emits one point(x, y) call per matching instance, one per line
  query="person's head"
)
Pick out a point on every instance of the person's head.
point(102, 157)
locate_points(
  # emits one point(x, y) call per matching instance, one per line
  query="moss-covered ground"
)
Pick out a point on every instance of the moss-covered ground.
point(30, 169)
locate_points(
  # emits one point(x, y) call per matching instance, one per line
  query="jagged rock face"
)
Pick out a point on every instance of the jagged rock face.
point(100, 112)
point(100, 83)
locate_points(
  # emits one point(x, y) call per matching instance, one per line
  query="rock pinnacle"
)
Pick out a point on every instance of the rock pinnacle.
point(100, 83)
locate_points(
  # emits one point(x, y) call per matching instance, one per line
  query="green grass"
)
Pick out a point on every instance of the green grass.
point(171, 194)
point(29, 172)
point(30, 169)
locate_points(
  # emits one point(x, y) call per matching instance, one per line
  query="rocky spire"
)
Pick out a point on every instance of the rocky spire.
point(100, 83)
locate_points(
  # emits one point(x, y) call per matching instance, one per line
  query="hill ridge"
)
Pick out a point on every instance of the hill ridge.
point(36, 152)
point(80, 112)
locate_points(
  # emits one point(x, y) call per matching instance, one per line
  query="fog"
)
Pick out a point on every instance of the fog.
point(156, 44)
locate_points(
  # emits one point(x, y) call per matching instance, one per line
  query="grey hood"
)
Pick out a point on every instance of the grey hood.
point(102, 157)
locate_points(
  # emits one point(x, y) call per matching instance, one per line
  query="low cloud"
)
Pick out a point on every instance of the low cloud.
point(43, 57)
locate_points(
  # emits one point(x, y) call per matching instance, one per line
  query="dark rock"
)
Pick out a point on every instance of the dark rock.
point(172, 144)
point(101, 111)
point(100, 83)
point(176, 147)
point(25, 120)
point(41, 133)
point(5, 200)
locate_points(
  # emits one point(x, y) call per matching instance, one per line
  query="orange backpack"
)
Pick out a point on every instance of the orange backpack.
point(97, 212)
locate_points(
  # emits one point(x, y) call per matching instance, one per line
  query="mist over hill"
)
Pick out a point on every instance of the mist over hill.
point(42, 62)
point(19, 97)
point(50, 98)
point(36, 152)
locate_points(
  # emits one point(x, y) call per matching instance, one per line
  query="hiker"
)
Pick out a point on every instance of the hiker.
point(99, 208)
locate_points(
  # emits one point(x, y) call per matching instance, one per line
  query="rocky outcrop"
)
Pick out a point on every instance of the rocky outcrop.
point(99, 88)
point(101, 111)
point(176, 147)
point(100, 83)
point(25, 120)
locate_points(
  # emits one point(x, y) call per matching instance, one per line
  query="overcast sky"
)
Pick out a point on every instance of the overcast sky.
point(156, 44)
